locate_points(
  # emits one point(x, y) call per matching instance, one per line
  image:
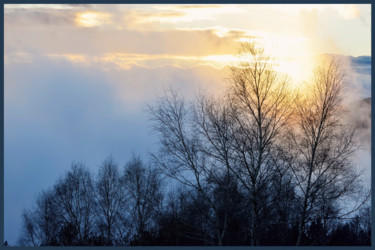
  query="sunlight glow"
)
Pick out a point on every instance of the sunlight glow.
point(299, 69)
point(292, 55)
point(92, 19)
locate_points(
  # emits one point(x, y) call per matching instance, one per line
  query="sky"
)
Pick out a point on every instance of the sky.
point(77, 78)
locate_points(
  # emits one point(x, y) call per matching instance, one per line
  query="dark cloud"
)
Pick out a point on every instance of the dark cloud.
point(198, 6)
point(21, 18)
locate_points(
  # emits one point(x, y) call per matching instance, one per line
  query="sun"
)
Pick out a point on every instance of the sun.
point(292, 55)
point(298, 69)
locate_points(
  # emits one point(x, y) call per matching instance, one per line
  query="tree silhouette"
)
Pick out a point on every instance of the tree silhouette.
point(111, 199)
point(76, 195)
point(261, 103)
point(324, 146)
point(143, 185)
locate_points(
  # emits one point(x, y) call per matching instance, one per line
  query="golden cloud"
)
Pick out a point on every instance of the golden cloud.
point(92, 19)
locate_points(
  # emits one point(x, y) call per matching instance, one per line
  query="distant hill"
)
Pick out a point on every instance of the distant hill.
point(367, 101)
point(359, 113)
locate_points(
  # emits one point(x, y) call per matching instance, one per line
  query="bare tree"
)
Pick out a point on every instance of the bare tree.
point(261, 105)
point(178, 155)
point(278, 215)
point(28, 232)
point(213, 123)
point(143, 184)
point(186, 151)
point(234, 136)
point(111, 199)
point(76, 195)
point(323, 145)
point(41, 225)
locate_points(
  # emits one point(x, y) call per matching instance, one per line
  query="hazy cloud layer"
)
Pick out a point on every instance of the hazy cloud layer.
point(76, 113)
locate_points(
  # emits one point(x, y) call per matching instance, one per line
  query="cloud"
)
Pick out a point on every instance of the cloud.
point(93, 19)
point(93, 32)
point(11, 7)
point(184, 43)
point(198, 6)
point(187, 13)
point(127, 61)
point(357, 71)
point(203, 28)
point(358, 113)
point(39, 18)
point(18, 57)
point(121, 16)
point(347, 11)
point(344, 11)
point(89, 41)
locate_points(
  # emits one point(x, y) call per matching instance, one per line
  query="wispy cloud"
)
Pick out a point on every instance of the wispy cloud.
point(344, 11)
point(10, 7)
point(187, 13)
point(88, 41)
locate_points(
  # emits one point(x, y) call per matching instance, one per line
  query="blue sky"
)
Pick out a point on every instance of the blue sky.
point(78, 77)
